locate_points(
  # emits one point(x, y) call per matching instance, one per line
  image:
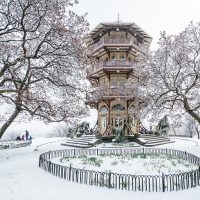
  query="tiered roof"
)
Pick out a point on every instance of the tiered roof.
point(103, 28)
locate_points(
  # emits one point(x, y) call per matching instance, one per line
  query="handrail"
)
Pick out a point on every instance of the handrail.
point(101, 92)
point(113, 64)
point(107, 41)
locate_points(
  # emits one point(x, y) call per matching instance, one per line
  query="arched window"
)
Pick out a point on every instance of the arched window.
point(103, 109)
point(118, 107)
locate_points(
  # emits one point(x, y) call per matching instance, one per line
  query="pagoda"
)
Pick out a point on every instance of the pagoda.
point(115, 48)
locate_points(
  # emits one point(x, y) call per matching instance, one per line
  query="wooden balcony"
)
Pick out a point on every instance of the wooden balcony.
point(112, 66)
point(115, 42)
point(109, 93)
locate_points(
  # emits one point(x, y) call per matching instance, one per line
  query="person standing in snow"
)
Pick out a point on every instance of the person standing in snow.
point(27, 135)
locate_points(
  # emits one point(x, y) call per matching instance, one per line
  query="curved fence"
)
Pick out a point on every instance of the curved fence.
point(150, 183)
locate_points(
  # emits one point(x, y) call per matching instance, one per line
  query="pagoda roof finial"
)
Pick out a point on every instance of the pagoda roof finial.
point(118, 19)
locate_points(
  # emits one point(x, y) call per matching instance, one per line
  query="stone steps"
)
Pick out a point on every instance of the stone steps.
point(88, 136)
point(156, 140)
point(158, 143)
point(77, 145)
point(77, 142)
point(80, 140)
point(85, 141)
point(153, 140)
point(151, 136)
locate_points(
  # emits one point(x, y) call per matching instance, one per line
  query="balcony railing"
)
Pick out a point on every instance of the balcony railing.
point(111, 64)
point(104, 92)
point(107, 41)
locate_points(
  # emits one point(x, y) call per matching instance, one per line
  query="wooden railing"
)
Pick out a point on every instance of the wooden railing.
point(107, 41)
point(112, 64)
point(130, 182)
point(103, 92)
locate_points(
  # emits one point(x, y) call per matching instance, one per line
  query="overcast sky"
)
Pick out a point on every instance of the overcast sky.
point(152, 16)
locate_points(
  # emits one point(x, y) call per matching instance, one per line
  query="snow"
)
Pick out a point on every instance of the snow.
point(22, 179)
point(142, 140)
point(13, 143)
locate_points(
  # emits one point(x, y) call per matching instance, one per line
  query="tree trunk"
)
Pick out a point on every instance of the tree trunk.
point(190, 111)
point(9, 121)
point(198, 132)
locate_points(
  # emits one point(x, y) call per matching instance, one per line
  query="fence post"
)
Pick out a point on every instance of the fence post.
point(70, 169)
point(199, 177)
point(40, 160)
point(97, 152)
point(49, 155)
point(109, 179)
point(143, 150)
point(163, 182)
point(74, 152)
point(49, 166)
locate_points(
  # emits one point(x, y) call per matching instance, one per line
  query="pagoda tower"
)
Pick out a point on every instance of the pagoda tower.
point(115, 48)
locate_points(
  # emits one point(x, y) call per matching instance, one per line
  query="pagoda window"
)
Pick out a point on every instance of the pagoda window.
point(122, 84)
point(118, 107)
point(113, 84)
point(118, 121)
point(122, 59)
point(103, 110)
point(103, 122)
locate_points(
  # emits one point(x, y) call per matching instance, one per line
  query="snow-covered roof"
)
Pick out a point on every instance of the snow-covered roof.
point(131, 27)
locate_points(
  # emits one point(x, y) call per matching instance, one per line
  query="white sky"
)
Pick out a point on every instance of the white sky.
point(152, 16)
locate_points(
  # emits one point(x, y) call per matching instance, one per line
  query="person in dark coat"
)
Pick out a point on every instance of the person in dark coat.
point(27, 135)
point(18, 138)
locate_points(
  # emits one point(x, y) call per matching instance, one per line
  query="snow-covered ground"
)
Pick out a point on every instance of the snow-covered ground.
point(22, 179)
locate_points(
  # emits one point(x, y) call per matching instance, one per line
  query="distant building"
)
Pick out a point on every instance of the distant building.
point(115, 47)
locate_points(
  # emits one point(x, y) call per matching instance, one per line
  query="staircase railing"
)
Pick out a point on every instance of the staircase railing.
point(143, 130)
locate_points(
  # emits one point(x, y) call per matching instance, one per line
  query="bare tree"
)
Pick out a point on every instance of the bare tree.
point(174, 73)
point(42, 60)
